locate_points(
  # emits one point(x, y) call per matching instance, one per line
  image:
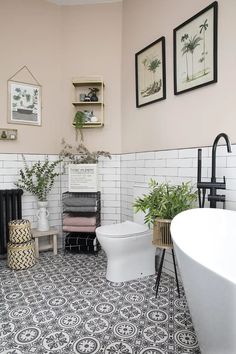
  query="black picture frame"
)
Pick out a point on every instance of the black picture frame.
point(150, 73)
point(195, 50)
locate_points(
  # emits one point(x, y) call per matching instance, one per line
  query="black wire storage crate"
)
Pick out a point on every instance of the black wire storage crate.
point(82, 241)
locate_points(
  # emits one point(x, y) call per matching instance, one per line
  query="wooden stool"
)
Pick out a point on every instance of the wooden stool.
point(52, 233)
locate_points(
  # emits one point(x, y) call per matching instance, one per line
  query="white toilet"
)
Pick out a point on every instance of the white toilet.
point(128, 246)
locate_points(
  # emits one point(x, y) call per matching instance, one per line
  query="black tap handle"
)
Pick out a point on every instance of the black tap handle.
point(199, 198)
point(199, 165)
point(217, 197)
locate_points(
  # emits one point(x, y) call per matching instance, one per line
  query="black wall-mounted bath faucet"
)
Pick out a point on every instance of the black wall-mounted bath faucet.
point(213, 197)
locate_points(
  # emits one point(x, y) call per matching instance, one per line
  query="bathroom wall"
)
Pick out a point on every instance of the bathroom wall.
point(109, 182)
point(58, 43)
point(119, 175)
point(186, 120)
point(29, 36)
point(61, 42)
point(175, 166)
point(91, 37)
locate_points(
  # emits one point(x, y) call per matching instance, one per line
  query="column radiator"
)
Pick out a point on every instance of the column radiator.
point(10, 209)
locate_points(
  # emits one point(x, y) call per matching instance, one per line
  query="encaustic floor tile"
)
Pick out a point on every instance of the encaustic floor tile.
point(64, 304)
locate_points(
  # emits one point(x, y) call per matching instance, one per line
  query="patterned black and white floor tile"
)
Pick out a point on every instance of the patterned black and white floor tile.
point(64, 304)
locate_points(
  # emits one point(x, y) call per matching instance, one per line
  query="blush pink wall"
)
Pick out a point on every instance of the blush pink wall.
point(92, 46)
point(58, 43)
point(189, 119)
point(29, 36)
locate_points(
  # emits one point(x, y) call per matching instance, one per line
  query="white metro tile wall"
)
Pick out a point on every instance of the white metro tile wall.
point(175, 166)
point(118, 176)
point(9, 174)
point(109, 176)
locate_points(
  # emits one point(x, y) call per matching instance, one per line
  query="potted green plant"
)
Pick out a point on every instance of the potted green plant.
point(162, 204)
point(82, 168)
point(80, 154)
point(78, 123)
point(38, 179)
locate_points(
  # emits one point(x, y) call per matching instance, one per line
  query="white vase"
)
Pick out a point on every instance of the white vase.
point(42, 215)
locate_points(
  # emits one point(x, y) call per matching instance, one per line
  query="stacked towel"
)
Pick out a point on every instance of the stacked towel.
point(79, 224)
point(71, 220)
point(79, 228)
point(83, 205)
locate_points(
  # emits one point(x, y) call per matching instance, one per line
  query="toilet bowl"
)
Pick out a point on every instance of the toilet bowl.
point(129, 249)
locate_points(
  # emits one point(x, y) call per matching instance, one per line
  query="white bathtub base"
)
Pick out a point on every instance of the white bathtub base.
point(204, 243)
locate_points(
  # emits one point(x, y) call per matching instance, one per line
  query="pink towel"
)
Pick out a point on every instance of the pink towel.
point(79, 221)
point(79, 228)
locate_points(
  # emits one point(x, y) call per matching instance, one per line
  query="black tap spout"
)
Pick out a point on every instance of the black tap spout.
point(213, 169)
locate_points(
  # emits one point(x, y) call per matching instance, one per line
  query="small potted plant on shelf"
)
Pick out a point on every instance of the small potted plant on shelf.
point(162, 204)
point(38, 179)
point(78, 123)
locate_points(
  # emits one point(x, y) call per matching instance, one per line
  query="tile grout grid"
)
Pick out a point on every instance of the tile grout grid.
point(64, 304)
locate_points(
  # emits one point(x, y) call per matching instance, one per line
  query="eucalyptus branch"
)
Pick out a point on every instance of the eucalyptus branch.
point(39, 178)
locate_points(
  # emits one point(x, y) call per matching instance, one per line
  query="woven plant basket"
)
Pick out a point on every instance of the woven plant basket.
point(19, 231)
point(20, 256)
point(161, 233)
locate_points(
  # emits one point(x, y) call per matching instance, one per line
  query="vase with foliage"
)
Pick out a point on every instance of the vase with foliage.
point(163, 203)
point(38, 179)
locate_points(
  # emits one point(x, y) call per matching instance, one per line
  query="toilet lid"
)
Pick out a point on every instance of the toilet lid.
point(124, 229)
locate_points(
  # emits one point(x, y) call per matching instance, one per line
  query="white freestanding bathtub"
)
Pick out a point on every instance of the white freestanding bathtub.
point(205, 247)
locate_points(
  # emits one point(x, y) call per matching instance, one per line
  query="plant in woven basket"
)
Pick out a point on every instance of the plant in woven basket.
point(165, 201)
point(80, 154)
point(39, 178)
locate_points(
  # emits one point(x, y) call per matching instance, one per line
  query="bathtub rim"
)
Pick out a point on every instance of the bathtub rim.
point(174, 235)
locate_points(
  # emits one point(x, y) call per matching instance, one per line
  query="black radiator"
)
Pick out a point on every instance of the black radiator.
point(10, 209)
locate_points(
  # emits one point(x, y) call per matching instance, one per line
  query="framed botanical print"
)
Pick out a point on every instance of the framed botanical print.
point(150, 72)
point(24, 103)
point(195, 51)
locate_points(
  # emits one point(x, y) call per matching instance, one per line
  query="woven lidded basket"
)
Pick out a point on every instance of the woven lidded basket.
point(161, 233)
point(19, 231)
point(20, 256)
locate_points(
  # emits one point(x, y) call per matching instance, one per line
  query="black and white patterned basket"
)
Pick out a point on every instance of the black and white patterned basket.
point(19, 231)
point(21, 255)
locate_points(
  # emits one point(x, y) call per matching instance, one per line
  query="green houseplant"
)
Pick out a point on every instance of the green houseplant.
point(38, 179)
point(80, 154)
point(78, 123)
point(162, 204)
point(165, 201)
point(82, 166)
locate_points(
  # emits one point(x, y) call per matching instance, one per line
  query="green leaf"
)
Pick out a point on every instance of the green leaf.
point(165, 201)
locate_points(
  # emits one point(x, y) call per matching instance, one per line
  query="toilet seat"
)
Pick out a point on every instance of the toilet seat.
point(124, 229)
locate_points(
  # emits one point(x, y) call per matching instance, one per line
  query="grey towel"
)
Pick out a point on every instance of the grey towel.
point(80, 202)
point(83, 209)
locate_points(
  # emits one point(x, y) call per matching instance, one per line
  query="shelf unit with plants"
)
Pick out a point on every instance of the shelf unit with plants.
point(89, 99)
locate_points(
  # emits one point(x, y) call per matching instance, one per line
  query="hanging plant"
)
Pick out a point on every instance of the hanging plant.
point(78, 123)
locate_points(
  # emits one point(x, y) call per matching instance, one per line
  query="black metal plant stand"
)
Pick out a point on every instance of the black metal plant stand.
point(160, 270)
